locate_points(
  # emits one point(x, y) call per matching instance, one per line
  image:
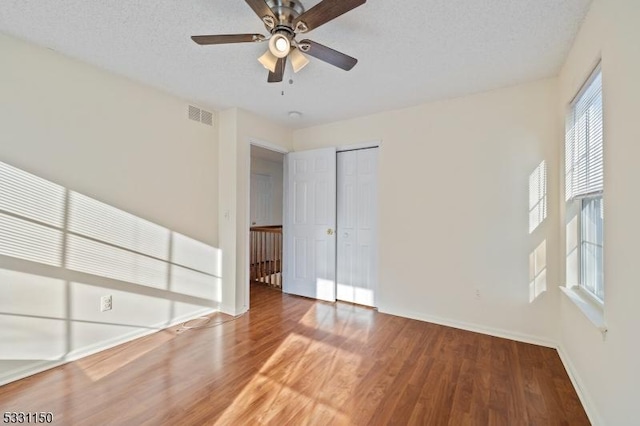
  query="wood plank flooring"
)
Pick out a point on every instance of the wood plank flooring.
point(294, 361)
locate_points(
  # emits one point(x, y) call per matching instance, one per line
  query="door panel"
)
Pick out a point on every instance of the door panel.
point(309, 240)
point(357, 222)
point(260, 200)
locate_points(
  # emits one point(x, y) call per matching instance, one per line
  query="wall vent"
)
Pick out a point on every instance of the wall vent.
point(206, 117)
point(194, 113)
point(200, 115)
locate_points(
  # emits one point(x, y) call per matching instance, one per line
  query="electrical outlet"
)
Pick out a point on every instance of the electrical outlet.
point(106, 303)
point(477, 293)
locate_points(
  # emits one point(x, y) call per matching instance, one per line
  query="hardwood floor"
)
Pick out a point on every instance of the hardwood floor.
point(291, 360)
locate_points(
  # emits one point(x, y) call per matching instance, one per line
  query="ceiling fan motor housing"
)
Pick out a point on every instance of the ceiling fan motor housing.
point(286, 11)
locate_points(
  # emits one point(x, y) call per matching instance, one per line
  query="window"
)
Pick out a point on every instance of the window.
point(584, 178)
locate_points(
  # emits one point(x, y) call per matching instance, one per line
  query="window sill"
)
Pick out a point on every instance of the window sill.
point(591, 310)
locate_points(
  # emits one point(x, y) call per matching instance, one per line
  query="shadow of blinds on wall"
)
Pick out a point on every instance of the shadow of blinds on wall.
point(45, 223)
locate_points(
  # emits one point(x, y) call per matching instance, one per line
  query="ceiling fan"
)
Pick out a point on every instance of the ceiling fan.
point(285, 19)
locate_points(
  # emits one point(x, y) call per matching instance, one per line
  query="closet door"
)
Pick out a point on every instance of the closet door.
point(357, 226)
point(310, 219)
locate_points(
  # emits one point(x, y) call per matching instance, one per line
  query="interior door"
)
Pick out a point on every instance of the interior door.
point(260, 200)
point(356, 226)
point(310, 218)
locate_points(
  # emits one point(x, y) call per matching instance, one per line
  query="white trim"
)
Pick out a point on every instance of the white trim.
point(267, 145)
point(245, 241)
point(361, 145)
point(229, 310)
point(246, 230)
point(477, 328)
point(587, 82)
point(588, 307)
point(585, 399)
point(285, 229)
point(27, 371)
point(99, 347)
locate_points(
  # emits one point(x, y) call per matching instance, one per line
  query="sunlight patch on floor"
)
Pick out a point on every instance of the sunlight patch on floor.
point(348, 321)
point(303, 379)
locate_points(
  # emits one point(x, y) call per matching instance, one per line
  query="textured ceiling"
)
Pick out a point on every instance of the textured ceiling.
point(409, 52)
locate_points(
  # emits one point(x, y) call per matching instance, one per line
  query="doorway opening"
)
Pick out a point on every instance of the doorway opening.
point(266, 217)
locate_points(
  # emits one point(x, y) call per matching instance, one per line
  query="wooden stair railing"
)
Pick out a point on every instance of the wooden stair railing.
point(266, 255)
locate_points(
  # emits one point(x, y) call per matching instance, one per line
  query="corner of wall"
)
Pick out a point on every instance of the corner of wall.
point(581, 390)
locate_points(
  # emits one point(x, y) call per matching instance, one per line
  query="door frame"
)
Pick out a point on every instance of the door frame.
point(245, 237)
point(361, 145)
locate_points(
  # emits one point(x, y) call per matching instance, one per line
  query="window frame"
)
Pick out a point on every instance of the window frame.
point(580, 271)
point(578, 201)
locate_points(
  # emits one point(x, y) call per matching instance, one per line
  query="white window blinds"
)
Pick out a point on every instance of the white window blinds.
point(583, 144)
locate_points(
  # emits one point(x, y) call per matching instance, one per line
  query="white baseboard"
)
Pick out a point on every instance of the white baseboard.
point(136, 334)
point(585, 399)
point(23, 372)
point(228, 309)
point(477, 328)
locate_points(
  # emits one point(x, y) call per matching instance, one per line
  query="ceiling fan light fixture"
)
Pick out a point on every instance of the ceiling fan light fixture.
point(279, 45)
point(298, 60)
point(268, 61)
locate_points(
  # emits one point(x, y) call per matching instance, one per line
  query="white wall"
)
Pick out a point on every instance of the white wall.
point(139, 184)
point(607, 371)
point(274, 170)
point(453, 207)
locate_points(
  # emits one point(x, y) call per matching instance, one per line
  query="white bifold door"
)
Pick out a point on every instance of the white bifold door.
point(356, 226)
point(316, 192)
point(310, 223)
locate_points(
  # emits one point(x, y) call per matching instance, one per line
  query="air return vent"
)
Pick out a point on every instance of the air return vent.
point(197, 114)
point(206, 117)
point(194, 113)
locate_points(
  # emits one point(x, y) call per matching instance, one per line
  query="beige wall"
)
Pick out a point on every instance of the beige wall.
point(607, 371)
point(110, 138)
point(131, 148)
point(453, 209)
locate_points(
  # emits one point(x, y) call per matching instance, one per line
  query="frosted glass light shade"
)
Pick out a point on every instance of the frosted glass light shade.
point(279, 45)
point(298, 60)
point(268, 61)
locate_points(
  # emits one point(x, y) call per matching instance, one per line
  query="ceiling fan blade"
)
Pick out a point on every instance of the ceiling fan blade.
point(276, 77)
point(328, 55)
point(227, 38)
point(261, 8)
point(325, 11)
